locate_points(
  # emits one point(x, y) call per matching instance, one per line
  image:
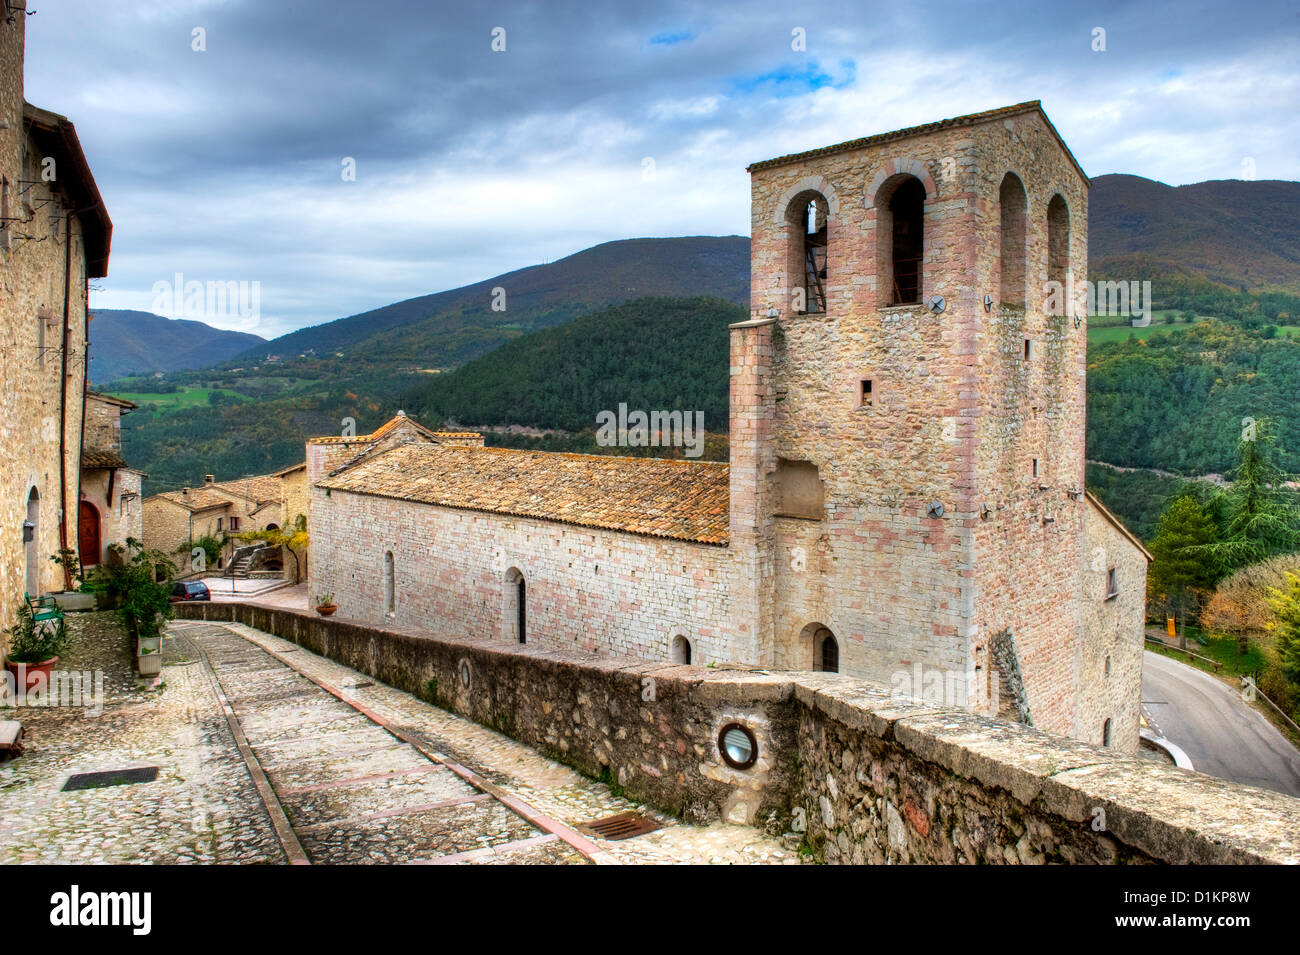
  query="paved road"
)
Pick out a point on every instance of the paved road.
point(1222, 736)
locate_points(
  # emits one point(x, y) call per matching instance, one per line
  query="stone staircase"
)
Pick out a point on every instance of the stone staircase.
point(245, 561)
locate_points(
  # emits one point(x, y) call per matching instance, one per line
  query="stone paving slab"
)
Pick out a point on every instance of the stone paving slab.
point(437, 832)
point(202, 807)
point(393, 793)
point(548, 786)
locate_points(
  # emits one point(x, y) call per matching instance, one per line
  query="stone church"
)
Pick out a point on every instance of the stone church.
point(905, 498)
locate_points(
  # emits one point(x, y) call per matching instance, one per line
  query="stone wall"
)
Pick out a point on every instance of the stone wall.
point(1110, 657)
point(168, 525)
point(858, 774)
point(584, 587)
point(35, 274)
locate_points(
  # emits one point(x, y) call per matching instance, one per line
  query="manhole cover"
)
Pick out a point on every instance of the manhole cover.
point(111, 777)
point(623, 826)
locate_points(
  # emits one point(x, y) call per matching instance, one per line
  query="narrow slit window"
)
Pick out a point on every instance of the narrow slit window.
point(865, 394)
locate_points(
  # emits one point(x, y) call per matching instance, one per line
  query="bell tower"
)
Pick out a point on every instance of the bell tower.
point(907, 412)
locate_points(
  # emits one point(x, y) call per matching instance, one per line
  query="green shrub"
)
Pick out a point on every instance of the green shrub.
point(139, 585)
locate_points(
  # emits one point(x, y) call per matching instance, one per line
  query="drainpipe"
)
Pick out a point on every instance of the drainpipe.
point(63, 397)
point(85, 382)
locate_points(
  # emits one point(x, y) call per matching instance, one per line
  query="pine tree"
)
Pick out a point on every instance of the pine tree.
point(1258, 517)
point(1180, 578)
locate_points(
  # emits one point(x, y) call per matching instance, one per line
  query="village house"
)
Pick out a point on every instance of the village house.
point(110, 510)
point(174, 520)
point(904, 501)
point(54, 237)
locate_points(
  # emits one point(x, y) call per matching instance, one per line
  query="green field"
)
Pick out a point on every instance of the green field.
point(185, 398)
point(1099, 334)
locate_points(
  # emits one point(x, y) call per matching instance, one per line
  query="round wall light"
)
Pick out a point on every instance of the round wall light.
point(464, 673)
point(937, 304)
point(738, 746)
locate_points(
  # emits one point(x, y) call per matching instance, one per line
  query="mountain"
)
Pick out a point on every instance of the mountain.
point(126, 342)
point(451, 327)
point(1237, 233)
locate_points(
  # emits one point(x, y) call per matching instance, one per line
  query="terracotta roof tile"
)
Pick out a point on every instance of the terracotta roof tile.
point(96, 458)
point(378, 433)
point(262, 487)
point(683, 500)
point(199, 499)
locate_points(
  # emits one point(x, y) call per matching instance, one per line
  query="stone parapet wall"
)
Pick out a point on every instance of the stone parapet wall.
point(863, 775)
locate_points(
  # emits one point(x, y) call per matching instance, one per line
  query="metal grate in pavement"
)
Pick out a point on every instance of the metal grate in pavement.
point(623, 826)
point(110, 777)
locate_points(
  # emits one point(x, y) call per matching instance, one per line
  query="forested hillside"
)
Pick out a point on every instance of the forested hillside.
point(656, 353)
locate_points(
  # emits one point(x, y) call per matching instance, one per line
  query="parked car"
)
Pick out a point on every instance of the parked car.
point(190, 590)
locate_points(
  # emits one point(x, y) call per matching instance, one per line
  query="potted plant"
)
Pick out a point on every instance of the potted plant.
point(34, 648)
point(139, 583)
point(325, 605)
point(71, 598)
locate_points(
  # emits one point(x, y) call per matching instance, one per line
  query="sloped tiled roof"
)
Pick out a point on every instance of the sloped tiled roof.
point(97, 458)
point(263, 487)
point(682, 500)
point(970, 119)
point(394, 422)
point(199, 499)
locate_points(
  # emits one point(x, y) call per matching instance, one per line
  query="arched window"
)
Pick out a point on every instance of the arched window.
point(827, 649)
point(1014, 206)
point(516, 605)
point(681, 650)
point(390, 585)
point(900, 239)
point(1058, 240)
point(808, 221)
point(1105, 733)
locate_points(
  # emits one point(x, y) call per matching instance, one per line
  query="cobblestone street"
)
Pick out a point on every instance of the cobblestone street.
point(351, 771)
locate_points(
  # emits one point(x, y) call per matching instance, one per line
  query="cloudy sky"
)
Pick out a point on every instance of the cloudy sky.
point(597, 121)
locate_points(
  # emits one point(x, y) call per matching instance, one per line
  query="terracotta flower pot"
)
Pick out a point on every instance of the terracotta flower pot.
point(29, 675)
point(325, 611)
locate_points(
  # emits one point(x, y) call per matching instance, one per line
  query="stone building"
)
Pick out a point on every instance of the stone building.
point(175, 519)
point(110, 509)
point(54, 237)
point(905, 496)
